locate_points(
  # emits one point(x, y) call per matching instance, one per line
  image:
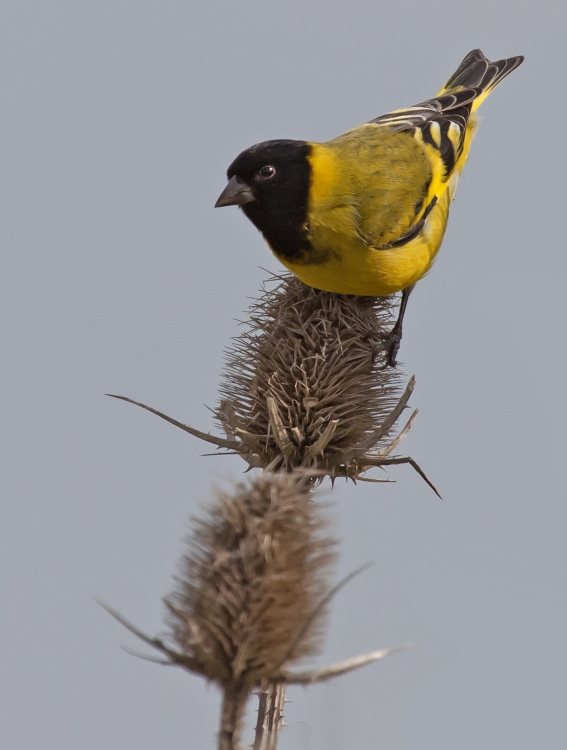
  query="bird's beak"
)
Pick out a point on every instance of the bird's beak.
point(236, 193)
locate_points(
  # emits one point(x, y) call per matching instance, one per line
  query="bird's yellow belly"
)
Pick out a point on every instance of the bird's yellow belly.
point(354, 268)
point(364, 272)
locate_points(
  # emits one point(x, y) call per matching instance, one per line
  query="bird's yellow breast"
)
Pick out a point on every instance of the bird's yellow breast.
point(367, 187)
point(354, 268)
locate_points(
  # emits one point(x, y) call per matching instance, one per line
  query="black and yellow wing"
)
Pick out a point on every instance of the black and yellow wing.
point(441, 123)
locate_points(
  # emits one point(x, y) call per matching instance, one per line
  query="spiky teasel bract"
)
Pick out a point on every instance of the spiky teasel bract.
point(305, 383)
point(250, 589)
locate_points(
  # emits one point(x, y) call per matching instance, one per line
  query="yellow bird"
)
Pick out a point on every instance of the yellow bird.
point(365, 213)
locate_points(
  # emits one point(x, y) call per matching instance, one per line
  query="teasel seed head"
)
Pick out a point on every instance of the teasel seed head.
point(305, 384)
point(251, 588)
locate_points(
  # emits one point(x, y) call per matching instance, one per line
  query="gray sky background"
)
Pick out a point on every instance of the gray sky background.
point(119, 119)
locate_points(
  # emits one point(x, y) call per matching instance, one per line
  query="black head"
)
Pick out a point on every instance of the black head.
point(270, 182)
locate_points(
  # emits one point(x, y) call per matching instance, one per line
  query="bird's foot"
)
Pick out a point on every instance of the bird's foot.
point(393, 342)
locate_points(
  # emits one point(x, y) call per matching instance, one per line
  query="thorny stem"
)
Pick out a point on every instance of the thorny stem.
point(271, 700)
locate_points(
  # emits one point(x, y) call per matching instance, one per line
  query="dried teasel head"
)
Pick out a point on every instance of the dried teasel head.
point(306, 386)
point(252, 587)
point(305, 383)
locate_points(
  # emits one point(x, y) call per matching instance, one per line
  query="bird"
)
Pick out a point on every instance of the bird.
point(365, 213)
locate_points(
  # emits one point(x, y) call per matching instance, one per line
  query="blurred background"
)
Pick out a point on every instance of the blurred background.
point(118, 121)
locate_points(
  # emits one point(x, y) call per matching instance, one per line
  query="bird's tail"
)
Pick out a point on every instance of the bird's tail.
point(477, 72)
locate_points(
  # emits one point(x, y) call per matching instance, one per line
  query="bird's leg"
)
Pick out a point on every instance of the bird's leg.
point(395, 337)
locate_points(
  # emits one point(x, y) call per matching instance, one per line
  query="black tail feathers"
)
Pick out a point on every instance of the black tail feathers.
point(477, 72)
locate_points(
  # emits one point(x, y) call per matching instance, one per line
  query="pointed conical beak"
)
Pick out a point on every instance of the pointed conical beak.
point(236, 193)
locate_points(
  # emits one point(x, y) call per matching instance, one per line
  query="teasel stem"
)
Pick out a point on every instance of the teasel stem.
point(234, 702)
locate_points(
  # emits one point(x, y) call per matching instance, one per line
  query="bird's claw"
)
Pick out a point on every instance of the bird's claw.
point(393, 347)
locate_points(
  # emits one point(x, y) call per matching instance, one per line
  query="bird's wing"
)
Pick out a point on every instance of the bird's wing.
point(443, 127)
point(440, 123)
point(406, 160)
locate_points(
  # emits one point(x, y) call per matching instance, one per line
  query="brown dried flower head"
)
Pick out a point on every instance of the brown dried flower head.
point(251, 591)
point(305, 383)
point(306, 386)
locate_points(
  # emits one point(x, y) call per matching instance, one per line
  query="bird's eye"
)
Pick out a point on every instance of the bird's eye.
point(266, 172)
